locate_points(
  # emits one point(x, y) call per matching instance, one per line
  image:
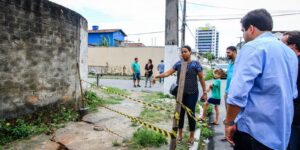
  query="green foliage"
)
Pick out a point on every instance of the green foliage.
point(209, 110)
point(183, 145)
point(104, 42)
point(115, 90)
point(93, 101)
point(209, 56)
point(206, 132)
point(153, 115)
point(42, 122)
point(116, 143)
point(209, 75)
point(147, 138)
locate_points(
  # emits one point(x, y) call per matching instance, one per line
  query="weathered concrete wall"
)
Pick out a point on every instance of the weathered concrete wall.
point(40, 44)
point(117, 60)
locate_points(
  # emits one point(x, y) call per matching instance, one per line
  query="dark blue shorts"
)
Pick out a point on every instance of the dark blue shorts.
point(214, 101)
point(136, 76)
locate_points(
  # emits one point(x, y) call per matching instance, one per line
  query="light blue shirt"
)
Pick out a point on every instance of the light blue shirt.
point(229, 75)
point(161, 67)
point(264, 86)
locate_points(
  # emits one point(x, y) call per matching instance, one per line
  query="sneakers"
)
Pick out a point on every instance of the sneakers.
point(138, 85)
point(134, 85)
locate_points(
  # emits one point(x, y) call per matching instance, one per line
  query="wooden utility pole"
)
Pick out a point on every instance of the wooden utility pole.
point(183, 24)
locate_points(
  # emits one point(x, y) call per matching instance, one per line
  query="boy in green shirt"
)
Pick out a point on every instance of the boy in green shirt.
point(215, 98)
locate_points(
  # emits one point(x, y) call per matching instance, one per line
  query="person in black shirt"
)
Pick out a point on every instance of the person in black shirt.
point(190, 92)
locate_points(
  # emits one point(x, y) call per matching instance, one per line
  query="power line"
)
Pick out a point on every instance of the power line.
point(231, 8)
point(236, 18)
point(155, 32)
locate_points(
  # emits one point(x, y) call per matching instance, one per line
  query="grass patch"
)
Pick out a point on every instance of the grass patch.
point(110, 90)
point(146, 138)
point(45, 121)
point(115, 143)
point(93, 101)
point(154, 116)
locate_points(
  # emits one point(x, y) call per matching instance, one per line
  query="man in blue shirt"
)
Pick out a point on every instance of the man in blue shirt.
point(292, 40)
point(161, 69)
point(262, 89)
point(136, 72)
point(231, 55)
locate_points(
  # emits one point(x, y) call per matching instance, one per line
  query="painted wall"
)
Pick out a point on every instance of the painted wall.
point(116, 58)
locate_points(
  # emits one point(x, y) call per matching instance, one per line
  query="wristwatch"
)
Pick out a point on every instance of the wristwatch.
point(231, 123)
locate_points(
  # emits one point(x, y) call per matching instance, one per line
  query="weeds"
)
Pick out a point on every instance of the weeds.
point(206, 132)
point(116, 143)
point(42, 122)
point(147, 138)
point(93, 101)
point(110, 90)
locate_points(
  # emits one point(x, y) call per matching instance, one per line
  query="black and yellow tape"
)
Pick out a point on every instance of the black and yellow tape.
point(188, 111)
point(130, 98)
point(145, 124)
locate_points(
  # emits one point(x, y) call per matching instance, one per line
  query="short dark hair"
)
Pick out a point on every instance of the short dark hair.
point(135, 58)
point(260, 18)
point(232, 48)
point(293, 38)
point(187, 47)
point(162, 61)
point(150, 60)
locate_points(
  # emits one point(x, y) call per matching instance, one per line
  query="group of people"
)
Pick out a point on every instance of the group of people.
point(136, 72)
point(261, 95)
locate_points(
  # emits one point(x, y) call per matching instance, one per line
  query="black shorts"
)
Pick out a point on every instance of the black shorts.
point(214, 101)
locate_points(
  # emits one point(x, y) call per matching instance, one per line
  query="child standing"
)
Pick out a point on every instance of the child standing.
point(215, 98)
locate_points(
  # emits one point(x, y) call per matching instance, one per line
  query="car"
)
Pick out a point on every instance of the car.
point(223, 67)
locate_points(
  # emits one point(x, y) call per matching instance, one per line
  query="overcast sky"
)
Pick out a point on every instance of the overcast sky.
point(142, 16)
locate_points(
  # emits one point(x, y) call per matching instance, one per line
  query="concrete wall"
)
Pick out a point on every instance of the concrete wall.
point(40, 44)
point(116, 58)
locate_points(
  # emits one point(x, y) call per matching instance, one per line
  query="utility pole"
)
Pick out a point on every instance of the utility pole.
point(171, 27)
point(183, 24)
point(171, 54)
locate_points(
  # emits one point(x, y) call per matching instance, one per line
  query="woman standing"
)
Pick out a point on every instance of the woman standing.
point(191, 92)
point(148, 72)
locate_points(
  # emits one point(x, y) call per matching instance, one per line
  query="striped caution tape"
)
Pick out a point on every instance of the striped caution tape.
point(110, 131)
point(147, 125)
point(188, 110)
point(130, 98)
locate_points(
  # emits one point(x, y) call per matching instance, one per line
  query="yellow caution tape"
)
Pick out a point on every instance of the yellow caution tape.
point(132, 99)
point(188, 110)
point(147, 125)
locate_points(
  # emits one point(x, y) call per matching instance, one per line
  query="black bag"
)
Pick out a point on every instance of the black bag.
point(174, 89)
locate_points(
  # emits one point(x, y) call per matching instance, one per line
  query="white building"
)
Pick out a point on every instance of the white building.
point(207, 40)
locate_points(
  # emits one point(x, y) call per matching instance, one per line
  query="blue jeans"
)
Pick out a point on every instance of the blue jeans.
point(190, 101)
point(294, 143)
